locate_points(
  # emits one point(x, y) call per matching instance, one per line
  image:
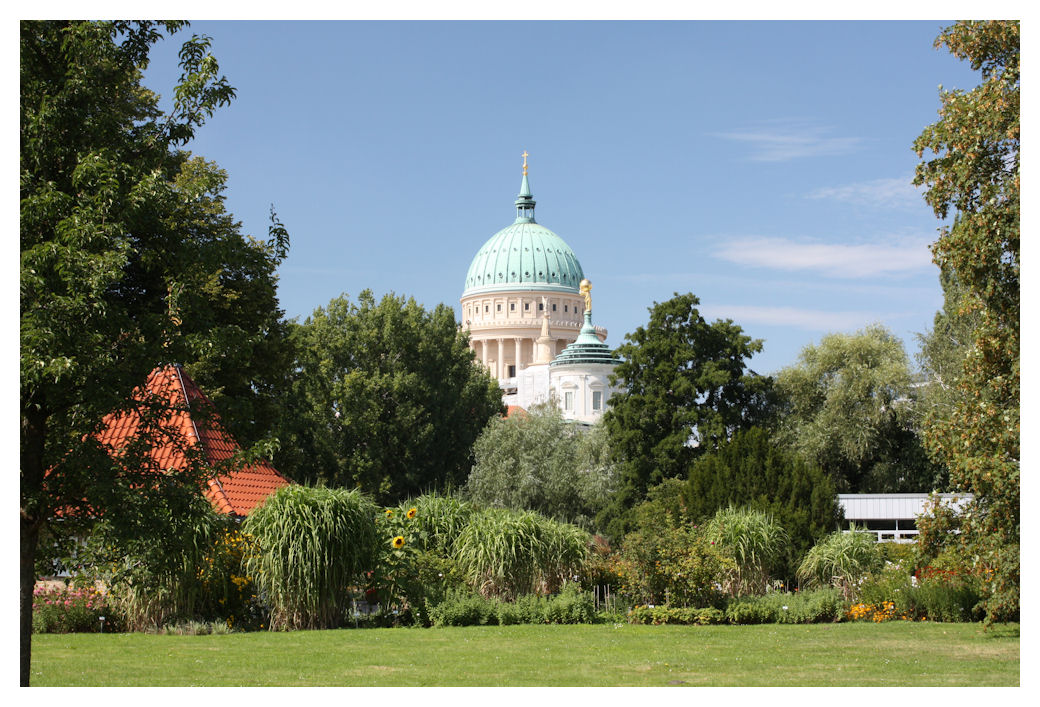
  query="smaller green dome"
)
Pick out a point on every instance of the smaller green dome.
point(587, 348)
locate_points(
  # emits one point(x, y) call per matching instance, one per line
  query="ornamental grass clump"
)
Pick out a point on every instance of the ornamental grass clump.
point(755, 542)
point(507, 553)
point(312, 545)
point(842, 559)
point(438, 520)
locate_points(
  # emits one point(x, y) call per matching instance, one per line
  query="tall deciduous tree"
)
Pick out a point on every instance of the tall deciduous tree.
point(850, 408)
point(972, 172)
point(386, 397)
point(685, 388)
point(119, 228)
point(537, 461)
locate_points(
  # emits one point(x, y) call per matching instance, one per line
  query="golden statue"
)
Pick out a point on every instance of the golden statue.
point(525, 161)
point(585, 288)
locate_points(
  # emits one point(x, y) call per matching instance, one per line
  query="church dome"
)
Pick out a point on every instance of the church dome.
point(525, 255)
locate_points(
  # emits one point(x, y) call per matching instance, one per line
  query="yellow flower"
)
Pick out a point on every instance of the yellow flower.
point(389, 513)
point(398, 542)
point(412, 512)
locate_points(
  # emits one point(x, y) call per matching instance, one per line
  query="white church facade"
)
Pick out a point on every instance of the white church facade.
point(528, 309)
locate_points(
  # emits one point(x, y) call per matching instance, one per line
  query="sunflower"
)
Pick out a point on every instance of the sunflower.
point(389, 513)
point(412, 512)
point(398, 542)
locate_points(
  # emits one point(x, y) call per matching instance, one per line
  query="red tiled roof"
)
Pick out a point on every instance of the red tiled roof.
point(514, 410)
point(236, 493)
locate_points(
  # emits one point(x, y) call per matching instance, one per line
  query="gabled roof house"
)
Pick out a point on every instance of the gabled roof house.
point(194, 418)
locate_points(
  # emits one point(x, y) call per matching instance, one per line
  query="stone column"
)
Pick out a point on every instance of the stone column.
point(519, 348)
point(501, 355)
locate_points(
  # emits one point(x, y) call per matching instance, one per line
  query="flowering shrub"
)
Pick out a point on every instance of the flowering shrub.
point(674, 566)
point(932, 594)
point(67, 610)
point(228, 592)
point(885, 611)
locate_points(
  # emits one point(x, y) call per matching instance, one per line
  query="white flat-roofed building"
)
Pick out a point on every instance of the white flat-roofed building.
point(893, 516)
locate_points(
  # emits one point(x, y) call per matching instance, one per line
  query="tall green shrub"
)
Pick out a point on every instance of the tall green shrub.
point(841, 559)
point(508, 553)
point(313, 544)
point(674, 566)
point(755, 542)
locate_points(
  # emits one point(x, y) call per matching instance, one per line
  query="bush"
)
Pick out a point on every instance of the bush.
point(755, 543)
point(841, 559)
point(674, 566)
point(464, 609)
point(68, 610)
point(657, 615)
point(312, 545)
point(820, 606)
point(936, 595)
point(508, 553)
point(571, 606)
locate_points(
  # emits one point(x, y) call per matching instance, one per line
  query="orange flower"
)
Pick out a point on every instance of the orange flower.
point(412, 512)
point(398, 542)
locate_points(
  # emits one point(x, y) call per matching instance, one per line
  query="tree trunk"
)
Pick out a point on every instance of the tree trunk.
point(30, 535)
point(32, 515)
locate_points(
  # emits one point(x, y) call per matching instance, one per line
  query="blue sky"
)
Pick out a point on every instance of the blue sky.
point(763, 166)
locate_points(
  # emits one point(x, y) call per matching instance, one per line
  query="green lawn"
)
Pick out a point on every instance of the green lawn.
point(897, 653)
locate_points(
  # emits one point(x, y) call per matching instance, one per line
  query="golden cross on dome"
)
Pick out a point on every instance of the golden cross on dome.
point(525, 161)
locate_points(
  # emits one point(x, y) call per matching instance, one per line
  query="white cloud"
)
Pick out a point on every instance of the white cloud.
point(805, 319)
point(781, 141)
point(888, 257)
point(896, 192)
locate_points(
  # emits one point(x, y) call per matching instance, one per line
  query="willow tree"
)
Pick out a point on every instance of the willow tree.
point(972, 174)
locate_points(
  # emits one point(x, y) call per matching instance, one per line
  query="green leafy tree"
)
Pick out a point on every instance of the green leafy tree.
point(972, 172)
point(850, 408)
point(943, 352)
point(685, 388)
point(537, 461)
point(119, 227)
point(386, 397)
point(752, 471)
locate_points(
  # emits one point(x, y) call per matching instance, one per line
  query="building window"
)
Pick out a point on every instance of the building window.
point(554, 307)
point(512, 306)
point(597, 400)
point(511, 373)
point(568, 400)
point(498, 308)
point(541, 306)
point(527, 306)
point(485, 309)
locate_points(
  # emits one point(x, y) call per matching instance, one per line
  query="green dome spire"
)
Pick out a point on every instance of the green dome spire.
point(524, 200)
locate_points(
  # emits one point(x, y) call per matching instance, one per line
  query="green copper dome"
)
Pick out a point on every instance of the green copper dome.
point(524, 254)
point(587, 348)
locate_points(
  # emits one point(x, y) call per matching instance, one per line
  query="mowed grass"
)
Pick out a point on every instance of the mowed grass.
point(857, 654)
